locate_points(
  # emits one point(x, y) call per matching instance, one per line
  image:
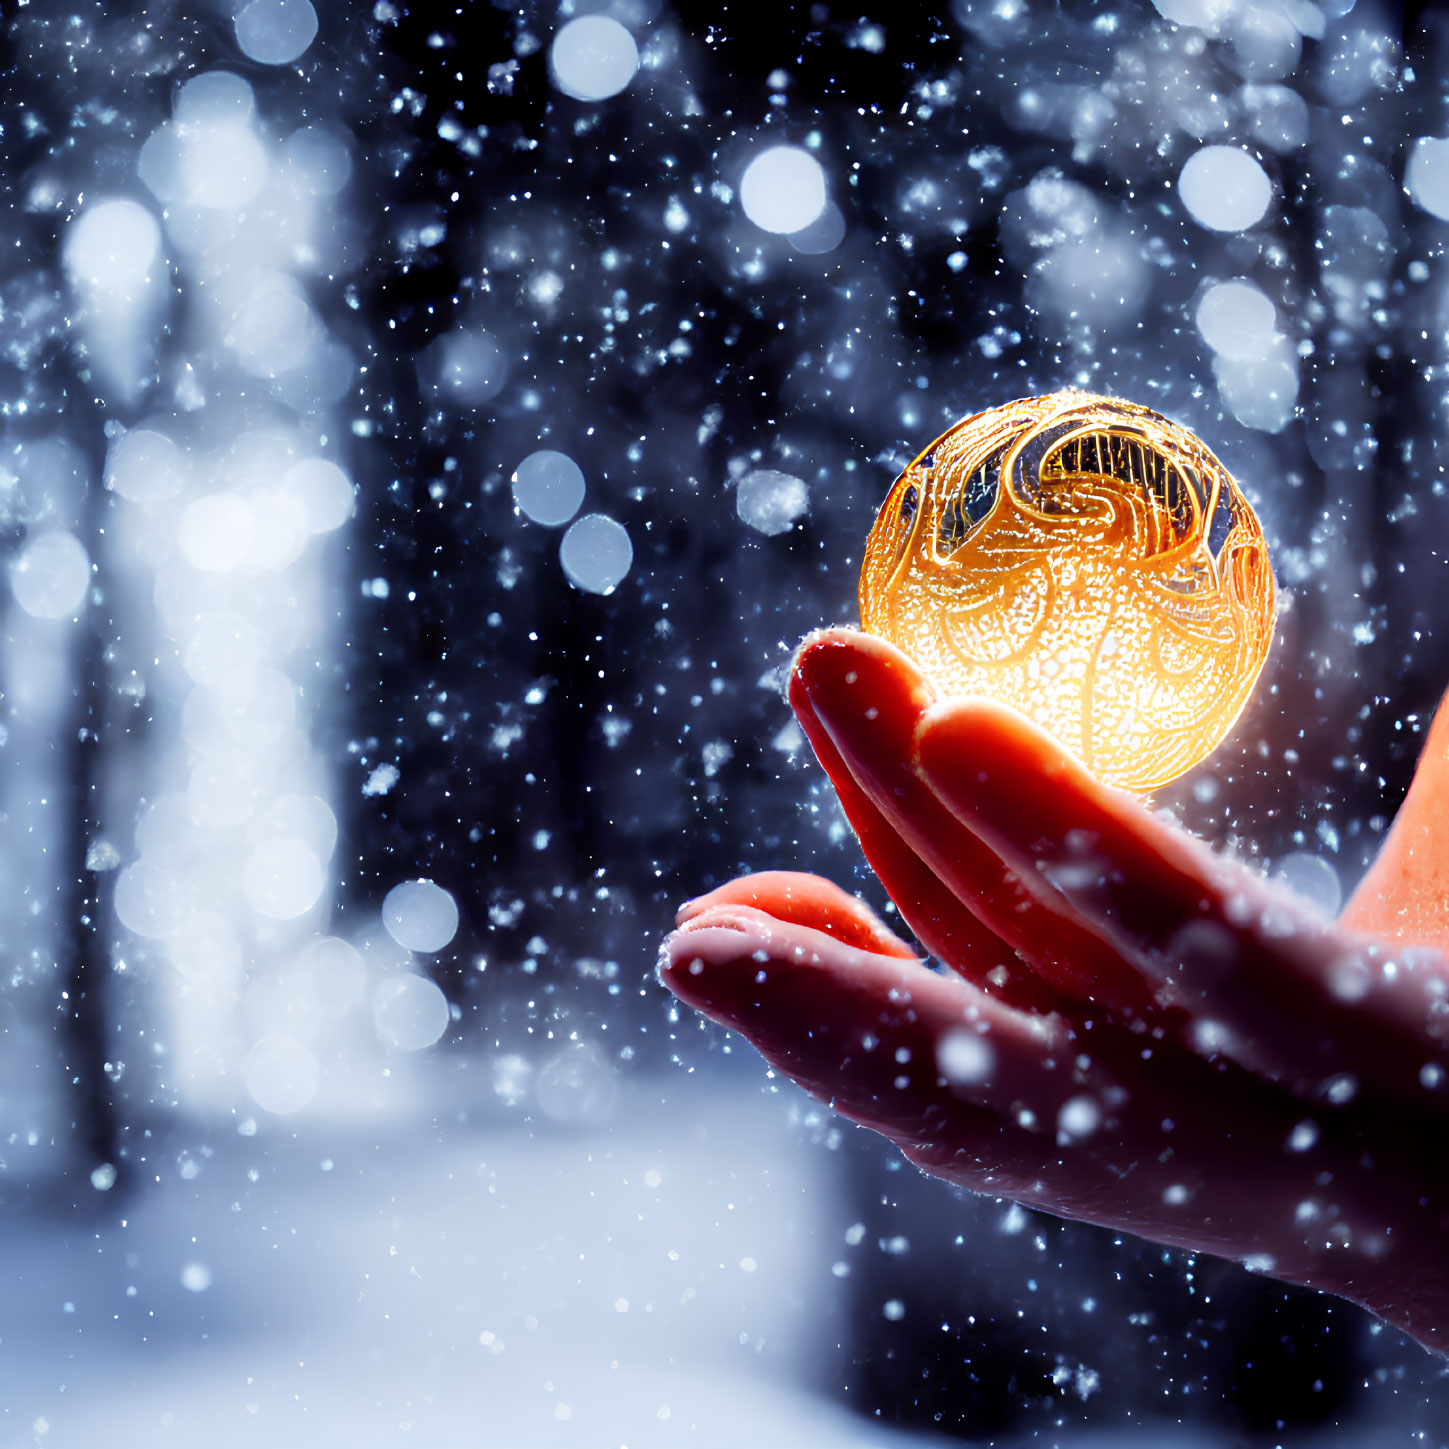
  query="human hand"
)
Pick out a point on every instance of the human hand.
point(1134, 1032)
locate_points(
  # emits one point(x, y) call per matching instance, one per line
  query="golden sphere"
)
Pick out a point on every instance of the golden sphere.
point(1088, 562)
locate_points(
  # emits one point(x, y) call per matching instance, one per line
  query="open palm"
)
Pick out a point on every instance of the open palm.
point(1134, 1032)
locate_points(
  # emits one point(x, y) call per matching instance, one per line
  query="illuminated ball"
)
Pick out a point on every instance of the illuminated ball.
point(1089, 563)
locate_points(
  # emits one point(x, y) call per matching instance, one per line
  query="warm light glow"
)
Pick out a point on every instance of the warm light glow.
point(1091, 564)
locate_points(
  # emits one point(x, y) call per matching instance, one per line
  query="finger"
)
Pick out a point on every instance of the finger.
point(926, 1059)
point(806, 900)
point(1001, 1101)
point(944, 926)
point(1279, 985)
point(1405, 895)
point(861, 701)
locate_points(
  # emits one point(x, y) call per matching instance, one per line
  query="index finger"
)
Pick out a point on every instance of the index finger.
point(861, 702)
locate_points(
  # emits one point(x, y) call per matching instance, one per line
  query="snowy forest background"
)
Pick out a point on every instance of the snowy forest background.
point(421, 446)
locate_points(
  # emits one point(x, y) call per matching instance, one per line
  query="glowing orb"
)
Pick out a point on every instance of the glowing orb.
point(1089, 563)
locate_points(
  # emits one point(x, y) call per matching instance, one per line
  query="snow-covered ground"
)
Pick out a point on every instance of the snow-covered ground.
point(657, 1283)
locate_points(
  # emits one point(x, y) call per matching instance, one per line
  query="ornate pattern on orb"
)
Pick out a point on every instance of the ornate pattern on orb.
point(1088, 562)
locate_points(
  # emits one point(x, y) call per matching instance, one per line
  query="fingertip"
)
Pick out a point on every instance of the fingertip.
point(843, 664)
point(741, 969)
point(686, 956)
point(676, 955)
point(861, 698)
point(997, 739)
point(692, 907)
point(767, 890)
point(789, 897)
point(988, 763)
point(820, 642)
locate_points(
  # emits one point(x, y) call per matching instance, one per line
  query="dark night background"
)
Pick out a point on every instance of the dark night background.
point(575, 765)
